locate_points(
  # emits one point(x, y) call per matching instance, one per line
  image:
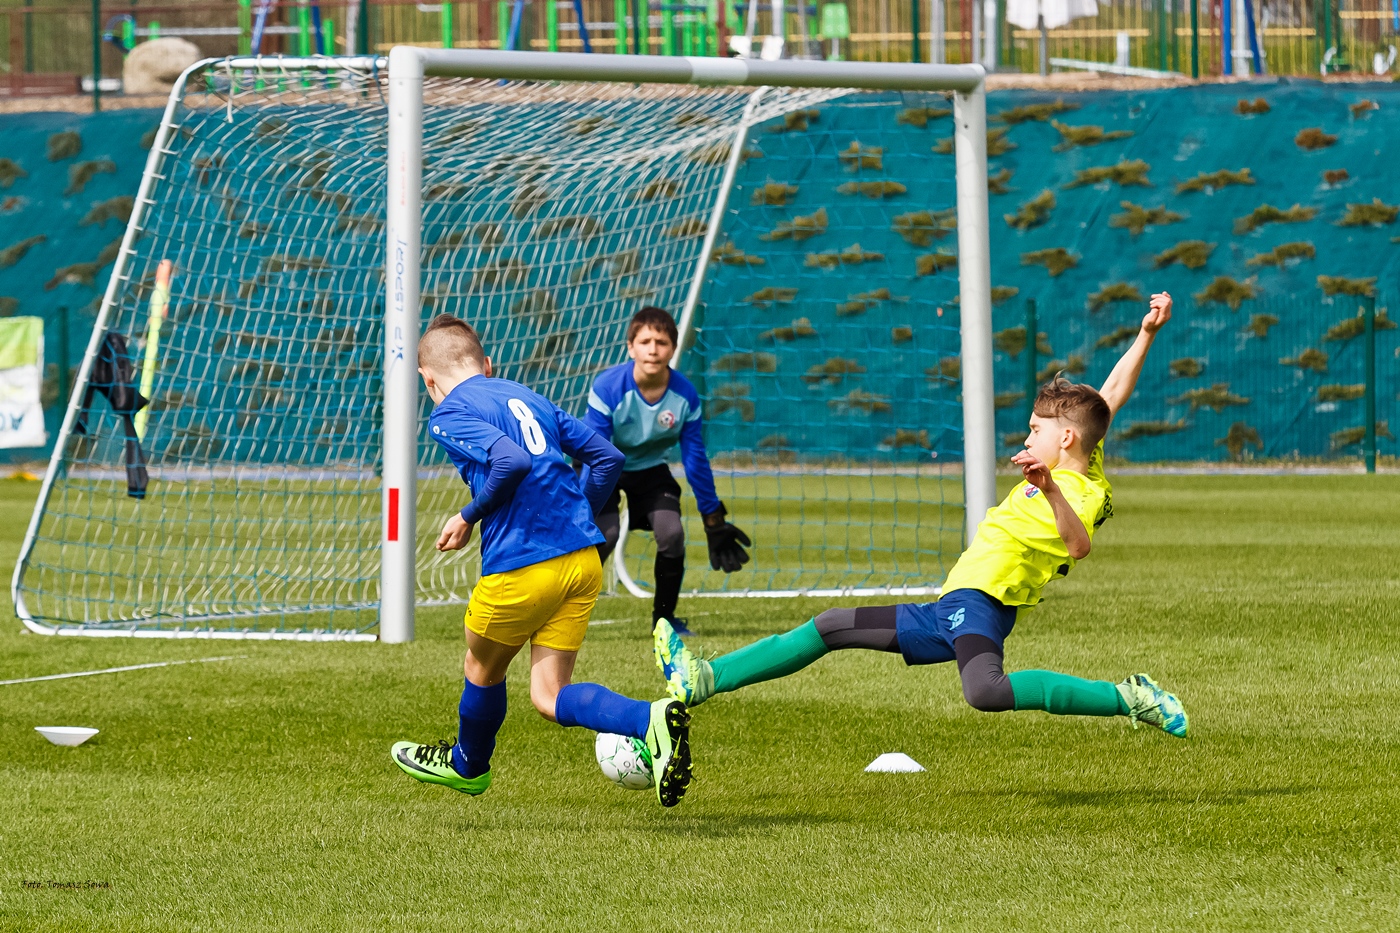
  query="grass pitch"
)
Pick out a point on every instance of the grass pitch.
point(258, 793)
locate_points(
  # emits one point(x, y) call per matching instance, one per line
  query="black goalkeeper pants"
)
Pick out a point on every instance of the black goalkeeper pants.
point(653, 504)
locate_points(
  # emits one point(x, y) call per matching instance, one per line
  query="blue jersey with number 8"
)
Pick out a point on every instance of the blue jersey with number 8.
point(548, 515)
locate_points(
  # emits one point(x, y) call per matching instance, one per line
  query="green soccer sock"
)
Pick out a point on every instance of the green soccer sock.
point(773, 657)
point(1064, 695)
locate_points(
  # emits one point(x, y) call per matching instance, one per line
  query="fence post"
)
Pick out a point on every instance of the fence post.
point(1176, 45)
point(304, 29)
point(362, 28)
point(937, 32)
point(914, 55)
point(620, 32)
point(1032, 363)
point(28, 38)
point(1195, 38)
point(96, 55)
point(1162, 35)
point(245, 27)
point(1368, 312)
point(1004, 38)
point(62, 352)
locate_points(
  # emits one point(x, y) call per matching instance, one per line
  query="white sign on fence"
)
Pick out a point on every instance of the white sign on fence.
point(21, 380)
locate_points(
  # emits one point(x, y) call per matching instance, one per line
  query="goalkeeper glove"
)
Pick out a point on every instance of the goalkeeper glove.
point(724, 539)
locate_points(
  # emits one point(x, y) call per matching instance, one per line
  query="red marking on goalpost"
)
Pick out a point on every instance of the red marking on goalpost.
point(393, 524)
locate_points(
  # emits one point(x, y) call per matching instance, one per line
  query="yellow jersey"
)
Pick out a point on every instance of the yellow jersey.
point(1017, 549)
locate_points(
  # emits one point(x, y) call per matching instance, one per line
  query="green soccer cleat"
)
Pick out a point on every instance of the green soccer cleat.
point(689, 677)
point(668, 740)
point(1149, 703)
point(432, 764)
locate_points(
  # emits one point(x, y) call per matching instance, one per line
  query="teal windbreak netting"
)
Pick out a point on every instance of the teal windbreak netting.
point(1257, 206)
point(1178, 136)
point(1267, 210)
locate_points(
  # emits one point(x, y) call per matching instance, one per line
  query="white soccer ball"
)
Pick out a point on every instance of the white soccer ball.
point(625, 761)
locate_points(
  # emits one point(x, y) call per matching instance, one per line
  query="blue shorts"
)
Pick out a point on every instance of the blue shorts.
point(926, 630)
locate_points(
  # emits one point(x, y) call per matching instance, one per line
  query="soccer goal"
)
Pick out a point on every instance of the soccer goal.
point(300, 219)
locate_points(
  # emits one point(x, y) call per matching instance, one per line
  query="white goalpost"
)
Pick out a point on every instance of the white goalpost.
point(299, 220)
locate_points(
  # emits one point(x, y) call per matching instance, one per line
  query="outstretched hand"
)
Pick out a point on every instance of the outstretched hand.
point(726, 542)
point(455, 534)
point(1034, 470)
point(1160, 313)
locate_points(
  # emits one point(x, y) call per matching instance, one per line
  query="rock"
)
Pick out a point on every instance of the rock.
point(152, 67)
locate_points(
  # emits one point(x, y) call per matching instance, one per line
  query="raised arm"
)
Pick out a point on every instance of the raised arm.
point(1118, 388)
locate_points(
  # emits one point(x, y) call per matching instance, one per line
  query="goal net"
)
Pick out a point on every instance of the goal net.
point(279, 482)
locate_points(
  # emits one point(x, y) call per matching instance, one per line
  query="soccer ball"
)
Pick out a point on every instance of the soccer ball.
point(625, 761)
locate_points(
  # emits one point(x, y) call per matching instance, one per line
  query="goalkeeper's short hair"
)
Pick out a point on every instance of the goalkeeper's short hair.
point(658, 319)
point(1080, 405)
point(448, 343)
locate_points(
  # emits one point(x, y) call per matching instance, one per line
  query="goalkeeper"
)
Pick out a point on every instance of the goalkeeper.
point(1038, 532)
point(539, 565)
point(646, 408)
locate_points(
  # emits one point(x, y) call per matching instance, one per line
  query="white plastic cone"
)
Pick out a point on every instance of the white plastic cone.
point(894, 763)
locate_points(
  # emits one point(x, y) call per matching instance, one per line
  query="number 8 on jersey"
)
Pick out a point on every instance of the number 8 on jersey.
point(529, 427)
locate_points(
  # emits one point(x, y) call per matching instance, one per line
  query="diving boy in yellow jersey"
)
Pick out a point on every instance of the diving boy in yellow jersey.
point(1039, 531)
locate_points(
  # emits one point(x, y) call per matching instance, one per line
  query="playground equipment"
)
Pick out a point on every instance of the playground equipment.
point(836, 25)
point(680, 27)
point(315, 35)
point(774, 45)
point(517, 13)
point(1233, 41)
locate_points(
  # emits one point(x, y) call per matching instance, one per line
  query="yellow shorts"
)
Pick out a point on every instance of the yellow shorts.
point(547, 604)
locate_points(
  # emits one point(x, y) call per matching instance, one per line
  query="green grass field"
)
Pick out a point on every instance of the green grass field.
point(258, 793)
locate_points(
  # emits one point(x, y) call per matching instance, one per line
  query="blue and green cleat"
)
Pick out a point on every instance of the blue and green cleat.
point(432, 764)
point(678, 624)
point(1147, 702)
point(689, 677)
point(668, 740)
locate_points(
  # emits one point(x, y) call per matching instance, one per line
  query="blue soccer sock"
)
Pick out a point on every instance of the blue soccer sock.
point(482, 711)
point(595, 707)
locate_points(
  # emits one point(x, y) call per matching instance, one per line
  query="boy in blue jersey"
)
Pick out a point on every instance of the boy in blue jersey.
point(540, 571)
point(646, 408)
point(1043, 527)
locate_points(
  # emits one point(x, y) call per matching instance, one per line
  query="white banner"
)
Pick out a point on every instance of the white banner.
point(21, 380)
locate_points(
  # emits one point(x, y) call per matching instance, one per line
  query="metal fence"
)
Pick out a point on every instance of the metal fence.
point(46, 47)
